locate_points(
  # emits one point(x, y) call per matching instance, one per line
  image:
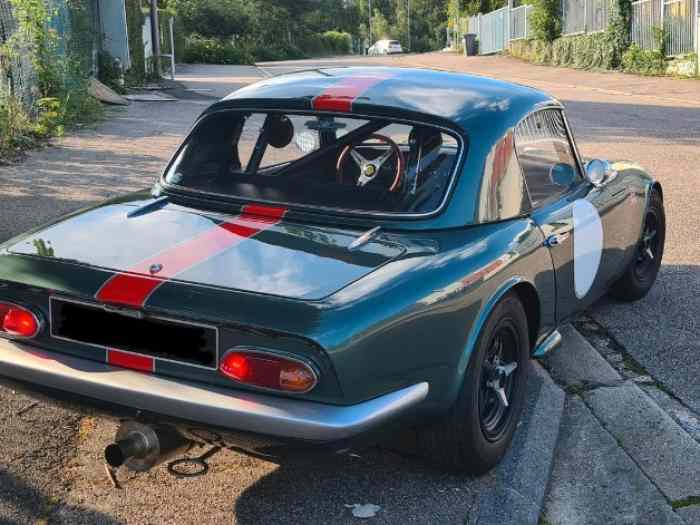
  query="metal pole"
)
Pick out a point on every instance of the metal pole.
point(370, 23)
point(696, 32)
point(155, 36)
point(409, 23)
point(172, 48)
point(509, 23)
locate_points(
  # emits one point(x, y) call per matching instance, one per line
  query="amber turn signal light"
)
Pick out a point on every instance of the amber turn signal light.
point(268, 371)
point(16, 321)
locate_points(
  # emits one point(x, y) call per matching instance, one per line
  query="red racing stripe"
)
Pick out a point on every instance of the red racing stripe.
point(340, 96)
point(142, 363)
point(135, 285)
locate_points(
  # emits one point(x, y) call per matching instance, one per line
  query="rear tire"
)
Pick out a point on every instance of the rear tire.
point(475, 434)
point(641, 273)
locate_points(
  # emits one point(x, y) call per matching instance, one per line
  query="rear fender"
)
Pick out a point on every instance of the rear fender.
point(477, 326)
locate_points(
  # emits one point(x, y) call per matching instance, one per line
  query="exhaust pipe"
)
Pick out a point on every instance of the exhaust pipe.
point(140, 447)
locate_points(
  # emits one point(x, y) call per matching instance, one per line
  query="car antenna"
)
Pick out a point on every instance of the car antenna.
point(363, 239)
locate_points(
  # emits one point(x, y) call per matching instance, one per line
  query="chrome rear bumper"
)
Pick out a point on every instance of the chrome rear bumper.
point(209, 406)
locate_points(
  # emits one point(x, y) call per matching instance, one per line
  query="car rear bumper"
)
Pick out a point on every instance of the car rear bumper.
point(92, 383)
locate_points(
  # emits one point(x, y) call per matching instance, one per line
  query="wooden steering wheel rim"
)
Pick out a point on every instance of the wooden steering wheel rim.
point(400, 160)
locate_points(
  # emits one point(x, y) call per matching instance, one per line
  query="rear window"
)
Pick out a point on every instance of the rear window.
point(393, 42)
point(322, 161)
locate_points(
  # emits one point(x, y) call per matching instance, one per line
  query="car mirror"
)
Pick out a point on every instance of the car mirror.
point(562, 175)
point(596, 171)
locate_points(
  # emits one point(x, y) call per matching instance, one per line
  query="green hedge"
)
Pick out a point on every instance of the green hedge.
point(643, 61)
point(328, 43)
point(200, 50)
point(581, 51)
point(603, 50)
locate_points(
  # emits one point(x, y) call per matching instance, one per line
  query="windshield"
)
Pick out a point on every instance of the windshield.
point(349, 164)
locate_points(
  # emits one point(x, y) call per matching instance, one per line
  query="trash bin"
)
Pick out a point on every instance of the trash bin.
point(470, 46)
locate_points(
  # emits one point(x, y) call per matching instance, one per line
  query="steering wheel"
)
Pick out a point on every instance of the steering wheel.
point(369, 168)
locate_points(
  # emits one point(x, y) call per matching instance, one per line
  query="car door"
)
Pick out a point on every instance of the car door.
point(566, 208)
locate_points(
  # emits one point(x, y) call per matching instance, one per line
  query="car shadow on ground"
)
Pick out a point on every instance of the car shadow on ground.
point(322, 488)
point(316, 489)
point(22, 503)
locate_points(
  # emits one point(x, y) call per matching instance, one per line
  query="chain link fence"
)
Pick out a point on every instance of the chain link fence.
point(17, 77)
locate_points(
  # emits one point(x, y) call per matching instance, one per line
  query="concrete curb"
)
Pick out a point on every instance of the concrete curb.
point(577, 364)
point(519, 485)
point(660, 447)
point(595, 481)
point(651, 462)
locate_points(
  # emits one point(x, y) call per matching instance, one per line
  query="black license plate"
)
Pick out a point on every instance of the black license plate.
point(167, 339)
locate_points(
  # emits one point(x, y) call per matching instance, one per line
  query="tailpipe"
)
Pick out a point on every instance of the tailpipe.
point(140, 447)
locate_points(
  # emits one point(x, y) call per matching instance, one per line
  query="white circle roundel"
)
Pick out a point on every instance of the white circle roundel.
point(588, 246)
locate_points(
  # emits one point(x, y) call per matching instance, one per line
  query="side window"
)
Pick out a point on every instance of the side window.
point(503, 194)
point(545, 155)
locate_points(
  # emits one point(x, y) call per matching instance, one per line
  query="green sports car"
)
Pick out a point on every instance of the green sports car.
point(331, 257)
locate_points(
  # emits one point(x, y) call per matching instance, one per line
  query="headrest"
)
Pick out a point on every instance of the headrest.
point(280, 131)
point(424, 139)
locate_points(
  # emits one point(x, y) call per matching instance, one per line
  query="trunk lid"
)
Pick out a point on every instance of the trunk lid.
point(254, 252)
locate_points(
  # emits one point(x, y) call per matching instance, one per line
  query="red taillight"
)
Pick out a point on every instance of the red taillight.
point(268, 371)
point(17, 321)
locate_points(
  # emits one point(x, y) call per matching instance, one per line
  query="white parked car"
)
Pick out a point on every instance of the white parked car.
point(385, 47)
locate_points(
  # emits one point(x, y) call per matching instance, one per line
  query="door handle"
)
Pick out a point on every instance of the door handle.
point(556, 239)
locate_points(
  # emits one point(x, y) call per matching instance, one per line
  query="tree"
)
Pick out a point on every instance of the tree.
point(545, 20)
point(215, 18)
point(380, 26)
point(287, 28)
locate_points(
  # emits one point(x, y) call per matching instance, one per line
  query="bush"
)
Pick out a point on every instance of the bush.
point(337, 43)
point(545, 20)
point(581, 51)
point(324, 44)
point(218, 19)
point(647, 61)
point(109, 74)
point(15, 128)
point(618, 31)
point(60, 97)
point(266, 53)
point(134, 23)
point(200, 50)
point(643, 61)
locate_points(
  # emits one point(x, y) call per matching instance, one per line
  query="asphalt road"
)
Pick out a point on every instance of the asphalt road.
point(50, 460)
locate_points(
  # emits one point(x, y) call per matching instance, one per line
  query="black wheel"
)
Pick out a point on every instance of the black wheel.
point(475, 434)
point(641, 274)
